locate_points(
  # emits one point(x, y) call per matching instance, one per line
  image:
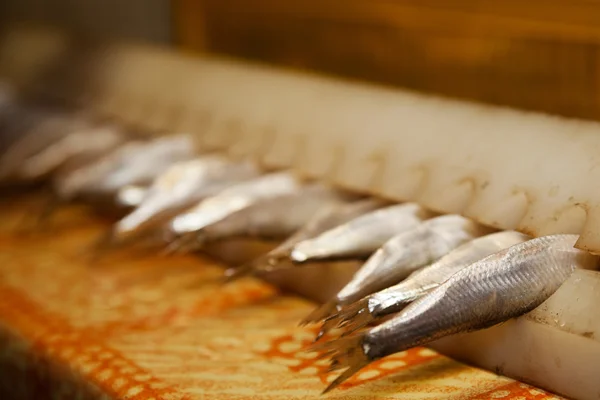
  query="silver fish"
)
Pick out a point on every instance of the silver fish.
point(402, 255)
point(81, 144)
point(361, 236)
point(41, 131)
point(137, 162)
point(395, 298)
point(229, 201)
point(274, 218)
point(504, 285)
point(181, 186)
point(323, 220)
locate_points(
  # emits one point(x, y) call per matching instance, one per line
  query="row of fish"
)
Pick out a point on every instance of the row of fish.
point(424, 275)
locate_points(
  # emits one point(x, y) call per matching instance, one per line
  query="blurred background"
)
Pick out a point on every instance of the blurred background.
point(537, 55)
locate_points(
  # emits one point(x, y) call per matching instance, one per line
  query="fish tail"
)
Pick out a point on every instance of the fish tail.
point(354, 316)
point(348, 353)
point(320, 313)
point(263, 264)
point(328, 325)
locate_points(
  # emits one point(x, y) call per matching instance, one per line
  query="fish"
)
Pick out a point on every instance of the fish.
point(393, 299)
point(74, 148)
point(180, 187)
point(138, 162)
point(38, 130)
point(499, 287)
point(402, 255)
point(361, 236)
point(238, 197)
point(326, 218)
point(273, 218)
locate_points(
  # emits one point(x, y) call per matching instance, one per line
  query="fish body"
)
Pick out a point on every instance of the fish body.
point(325, 218)
point(408, 251)
point(331, 216)
point(405, 253)
point(181, 186)
point(75, 147)
point(276, 217)
point(38, 130)
point(233, 199)
point(420, 282)
point(501, 286)
point(360, 237)
point(137, 162)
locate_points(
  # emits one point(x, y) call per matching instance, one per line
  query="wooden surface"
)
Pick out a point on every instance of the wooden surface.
point(540, 55)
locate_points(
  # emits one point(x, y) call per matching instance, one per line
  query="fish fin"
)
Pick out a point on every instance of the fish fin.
point(321, 333)
point(354, 317)
point(263, 264)
point(334, 366)
point(348, 353)
point(320, 313)
point(340, 379)
point(328, 324)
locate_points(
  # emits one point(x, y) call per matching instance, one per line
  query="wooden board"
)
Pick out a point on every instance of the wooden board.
point(540, 55)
